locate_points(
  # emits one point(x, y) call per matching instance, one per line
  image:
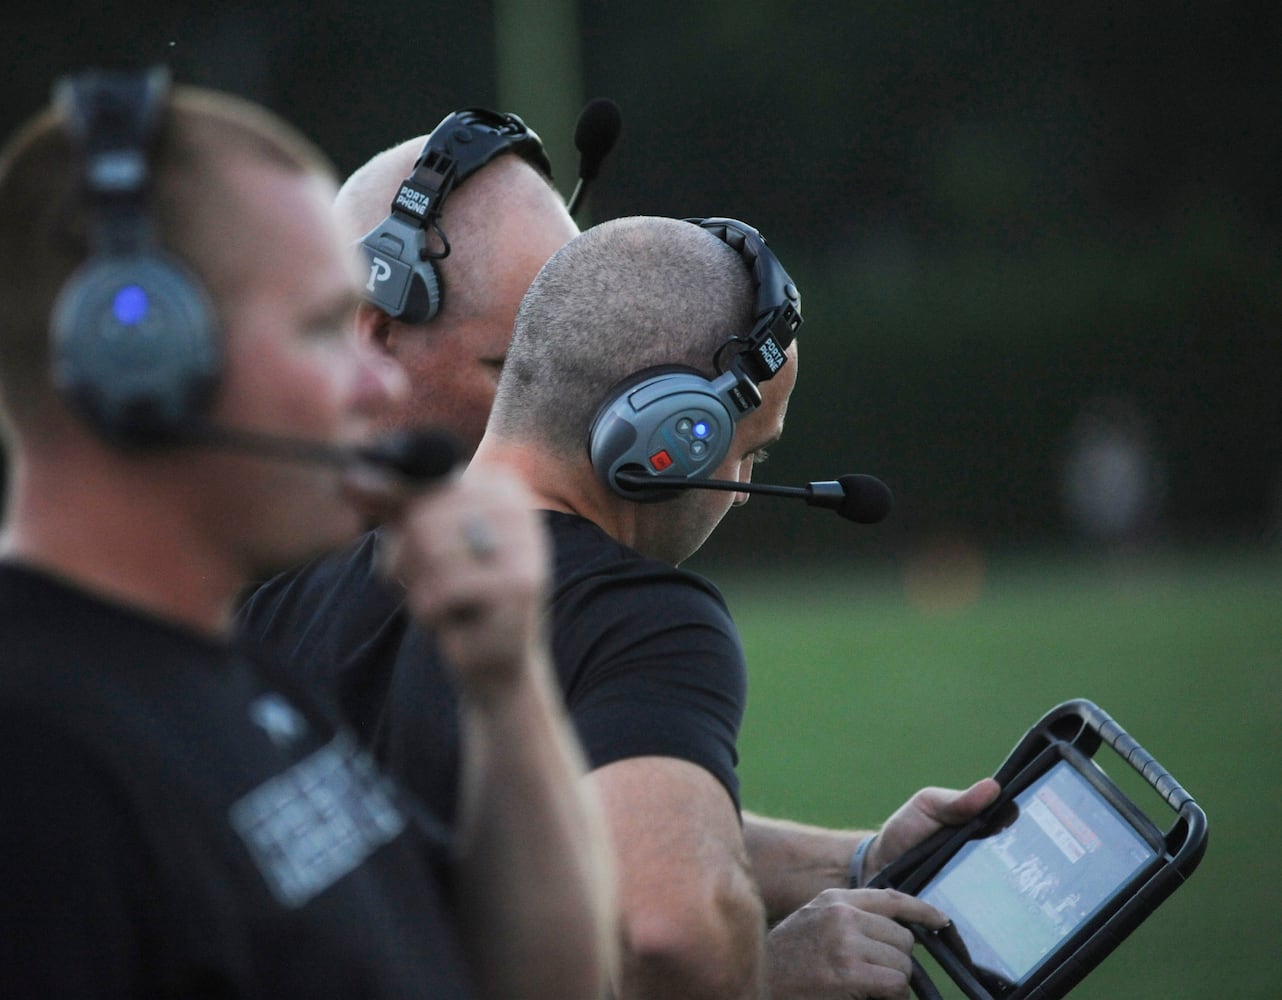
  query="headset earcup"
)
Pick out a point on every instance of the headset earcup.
point(135, 347)
point(410, 292)
point(672, 425)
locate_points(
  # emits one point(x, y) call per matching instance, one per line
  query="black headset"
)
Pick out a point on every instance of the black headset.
point(672, 422)
point(402, 279)
point(136, 349)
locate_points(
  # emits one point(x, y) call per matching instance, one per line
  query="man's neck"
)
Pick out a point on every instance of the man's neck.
point(123, 541)
point(559, 484)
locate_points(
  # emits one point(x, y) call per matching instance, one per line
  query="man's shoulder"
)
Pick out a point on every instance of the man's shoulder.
point(592, 565)
point(340, 589)
point(56, 637)
point(611, 606)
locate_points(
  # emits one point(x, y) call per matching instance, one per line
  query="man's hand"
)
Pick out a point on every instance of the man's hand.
point(472, 556)
point(922, 815)
point(847, 943)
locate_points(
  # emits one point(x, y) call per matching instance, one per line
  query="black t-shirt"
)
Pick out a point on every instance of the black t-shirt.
point(179, 823)
point(647, 657)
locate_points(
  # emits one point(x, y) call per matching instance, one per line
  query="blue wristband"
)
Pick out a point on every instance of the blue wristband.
point(857, 861)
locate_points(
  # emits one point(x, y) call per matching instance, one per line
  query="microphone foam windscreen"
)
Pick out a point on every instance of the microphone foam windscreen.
point(867, 500)
point(421, 455)
point(595, 134)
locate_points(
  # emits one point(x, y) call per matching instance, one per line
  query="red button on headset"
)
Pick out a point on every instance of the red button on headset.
point(660, 460)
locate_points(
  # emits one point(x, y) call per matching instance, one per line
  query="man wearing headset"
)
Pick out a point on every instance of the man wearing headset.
point(331, 621)
point(180, 817)
point(646, 651)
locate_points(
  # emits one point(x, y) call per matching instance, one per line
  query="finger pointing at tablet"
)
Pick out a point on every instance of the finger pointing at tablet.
point(848, 943)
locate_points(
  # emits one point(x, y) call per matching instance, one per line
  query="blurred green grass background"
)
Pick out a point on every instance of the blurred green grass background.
point(867, 687)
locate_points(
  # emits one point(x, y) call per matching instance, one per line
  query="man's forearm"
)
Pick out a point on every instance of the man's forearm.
point(794, 862)
point(719, 955)
point(535, 883)
point(692, 921)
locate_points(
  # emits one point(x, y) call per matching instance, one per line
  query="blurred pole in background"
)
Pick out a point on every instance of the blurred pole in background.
point(539, 69)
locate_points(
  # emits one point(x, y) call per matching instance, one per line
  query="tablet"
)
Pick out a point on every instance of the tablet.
point(1049, 879)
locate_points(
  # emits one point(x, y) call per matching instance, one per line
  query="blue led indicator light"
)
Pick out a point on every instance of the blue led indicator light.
point(130, 305)
point(700, 430)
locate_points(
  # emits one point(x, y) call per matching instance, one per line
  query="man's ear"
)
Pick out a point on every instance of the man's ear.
point(374, 329)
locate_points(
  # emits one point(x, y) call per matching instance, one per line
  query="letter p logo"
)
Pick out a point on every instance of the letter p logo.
point(379, 270)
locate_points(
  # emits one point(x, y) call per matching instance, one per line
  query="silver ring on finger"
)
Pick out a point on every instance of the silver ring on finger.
point(480, 538)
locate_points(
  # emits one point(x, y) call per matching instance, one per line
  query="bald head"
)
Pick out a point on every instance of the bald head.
point(503, 223)
point(471, 217)
point(623, 296)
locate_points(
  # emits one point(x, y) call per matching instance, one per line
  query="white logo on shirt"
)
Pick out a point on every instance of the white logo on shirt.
point(312, 824)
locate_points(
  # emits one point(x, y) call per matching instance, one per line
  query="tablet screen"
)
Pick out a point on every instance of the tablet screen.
point(1016, 893)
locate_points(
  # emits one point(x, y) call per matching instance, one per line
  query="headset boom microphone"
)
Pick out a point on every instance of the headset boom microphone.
point(594, 136)
point(420, 456)
point(859, 498)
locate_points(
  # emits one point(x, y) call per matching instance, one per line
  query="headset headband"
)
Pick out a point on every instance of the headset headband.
point(114, 117)
point(460, 145)
point(776, 314)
